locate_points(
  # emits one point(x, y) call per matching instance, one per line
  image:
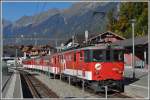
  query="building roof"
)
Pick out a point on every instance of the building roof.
point(101, 34)
point(128, 42)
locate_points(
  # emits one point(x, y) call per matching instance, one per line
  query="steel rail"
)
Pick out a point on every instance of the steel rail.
point(37, 88)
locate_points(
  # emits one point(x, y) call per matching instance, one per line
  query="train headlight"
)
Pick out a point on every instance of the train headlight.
point(98, 66)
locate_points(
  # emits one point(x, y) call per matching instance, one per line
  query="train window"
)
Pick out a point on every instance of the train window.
point(55, 60)
point(74, 57)
point(87, 56)
point(108, 55)
point(58, 58)
point(98, 55)
point(69, 58)
point(118, 55)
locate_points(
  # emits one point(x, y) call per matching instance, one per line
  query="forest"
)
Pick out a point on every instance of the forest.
point(121, 24)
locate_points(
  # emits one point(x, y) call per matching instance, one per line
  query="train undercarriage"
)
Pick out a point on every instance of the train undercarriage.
point(96, 86)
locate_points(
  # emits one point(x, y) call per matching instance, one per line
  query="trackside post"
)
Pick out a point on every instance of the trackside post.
point(106, 89)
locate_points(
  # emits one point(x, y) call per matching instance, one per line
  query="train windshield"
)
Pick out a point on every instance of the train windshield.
point(98, 55)
point(118, 55)
point(103, 55)
point(107, 55)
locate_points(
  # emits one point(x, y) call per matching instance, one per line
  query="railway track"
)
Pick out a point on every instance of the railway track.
point(35, 88)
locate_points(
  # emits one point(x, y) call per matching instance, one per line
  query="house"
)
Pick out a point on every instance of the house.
point(106, 37)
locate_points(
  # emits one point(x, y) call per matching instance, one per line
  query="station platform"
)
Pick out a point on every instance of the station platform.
point(13, 88)
point(138, 87)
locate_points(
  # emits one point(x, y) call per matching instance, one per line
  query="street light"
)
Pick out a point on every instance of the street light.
point(22, 38)
point(16, 51)
point(133, 48)
point(86, 37)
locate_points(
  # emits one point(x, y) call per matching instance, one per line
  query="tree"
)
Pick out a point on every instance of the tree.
point(128, 11)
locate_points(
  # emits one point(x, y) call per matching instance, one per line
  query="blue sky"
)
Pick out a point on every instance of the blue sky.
point(15, 10)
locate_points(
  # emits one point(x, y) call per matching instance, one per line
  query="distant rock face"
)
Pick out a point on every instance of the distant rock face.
point(57, 23)
point(6, 23)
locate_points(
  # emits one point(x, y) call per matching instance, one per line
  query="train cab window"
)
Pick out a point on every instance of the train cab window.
point(98, 55)
point(87, 55)
point(118, 55)
point(108, 55)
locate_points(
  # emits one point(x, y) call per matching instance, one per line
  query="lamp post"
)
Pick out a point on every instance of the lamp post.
point(86, 37)
point(16, 52)
point(133, 48)
point(22, 37)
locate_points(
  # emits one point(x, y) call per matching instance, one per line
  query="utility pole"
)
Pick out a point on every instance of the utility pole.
point(133, 47)
point(16, 52)
point(73, 41)
point(56, 45)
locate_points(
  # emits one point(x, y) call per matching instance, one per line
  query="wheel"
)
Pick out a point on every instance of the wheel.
point(120, 86)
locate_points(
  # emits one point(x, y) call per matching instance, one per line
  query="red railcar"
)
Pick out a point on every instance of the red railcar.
point(97, 65)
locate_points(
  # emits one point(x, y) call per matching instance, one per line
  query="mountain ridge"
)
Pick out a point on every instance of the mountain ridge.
point(57, 23)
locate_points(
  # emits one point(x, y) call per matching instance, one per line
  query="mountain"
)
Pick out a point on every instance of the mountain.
point(62, 23)
point(6, 22)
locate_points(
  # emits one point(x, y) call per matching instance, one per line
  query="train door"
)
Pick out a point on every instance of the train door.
point(74, 64)
point(78, 63)
point(63, 63)
point(80, 67)
point(82, 64)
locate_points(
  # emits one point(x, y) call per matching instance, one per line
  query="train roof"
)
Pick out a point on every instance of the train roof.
point(97, 46)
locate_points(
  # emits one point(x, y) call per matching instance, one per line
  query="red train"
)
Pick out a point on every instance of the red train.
point(97, 65)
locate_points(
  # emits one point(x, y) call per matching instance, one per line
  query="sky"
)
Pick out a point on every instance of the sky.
point(12, 11)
